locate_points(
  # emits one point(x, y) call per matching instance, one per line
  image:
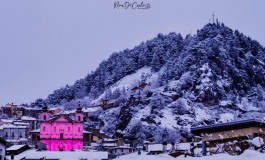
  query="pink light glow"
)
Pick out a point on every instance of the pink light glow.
point(61, 133)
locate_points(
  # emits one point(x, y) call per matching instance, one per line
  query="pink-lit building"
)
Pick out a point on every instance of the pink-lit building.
point(61, 133)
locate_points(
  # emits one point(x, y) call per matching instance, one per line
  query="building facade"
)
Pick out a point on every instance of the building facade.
point(62, 133)
point(231, 135)
point(14, 134)
point(31, 121)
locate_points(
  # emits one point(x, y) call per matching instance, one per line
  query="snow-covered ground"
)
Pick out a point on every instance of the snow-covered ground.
point(168, 121)
point(72, 155)
point(201, 114)
point(226, 117)
point(247, 155)
point(143, 156)
point(128, 82)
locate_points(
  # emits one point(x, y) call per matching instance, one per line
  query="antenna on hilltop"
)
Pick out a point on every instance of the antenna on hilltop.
point(213, 18)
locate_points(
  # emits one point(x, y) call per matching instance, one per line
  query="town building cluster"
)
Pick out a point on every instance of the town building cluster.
point(25, 132)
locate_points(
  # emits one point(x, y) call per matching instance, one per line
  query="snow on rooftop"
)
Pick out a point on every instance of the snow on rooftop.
point(109, 144)
point(156, 147)
point(257, 142)
point(21, 123)
point(11, 126)
point(28, 118)
point(7, 120)
point(70, 155)
point(122, 147)
point(90, 109)
point(53, 109)
point(36, 130)
point(17, 140)
point(15, 147)
point(86, 131)
point(108, 140)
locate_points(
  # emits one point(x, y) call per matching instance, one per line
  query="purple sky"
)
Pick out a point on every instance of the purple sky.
point(45, 45)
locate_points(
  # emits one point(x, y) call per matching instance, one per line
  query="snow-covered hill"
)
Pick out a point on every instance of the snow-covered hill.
point(168, 84)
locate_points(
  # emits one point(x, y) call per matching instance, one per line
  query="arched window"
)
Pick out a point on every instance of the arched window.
point(79, 118)
point(44, 117)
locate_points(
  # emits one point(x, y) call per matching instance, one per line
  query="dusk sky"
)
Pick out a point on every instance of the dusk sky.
point(45, 45)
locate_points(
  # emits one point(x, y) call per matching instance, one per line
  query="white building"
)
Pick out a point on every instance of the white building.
point(13, 134)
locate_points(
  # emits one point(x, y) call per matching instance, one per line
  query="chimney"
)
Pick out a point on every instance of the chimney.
point(173, 146)
point(146, 145)
point(164, 147)
point(204, 146)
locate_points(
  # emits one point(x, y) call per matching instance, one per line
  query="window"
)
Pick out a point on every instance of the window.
point(79, 118)
point(6, 135)
point(78, 129)
point(43, 129)
point(20, 135)
point(13, 135)
point(44, 117)
point(61, 135)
